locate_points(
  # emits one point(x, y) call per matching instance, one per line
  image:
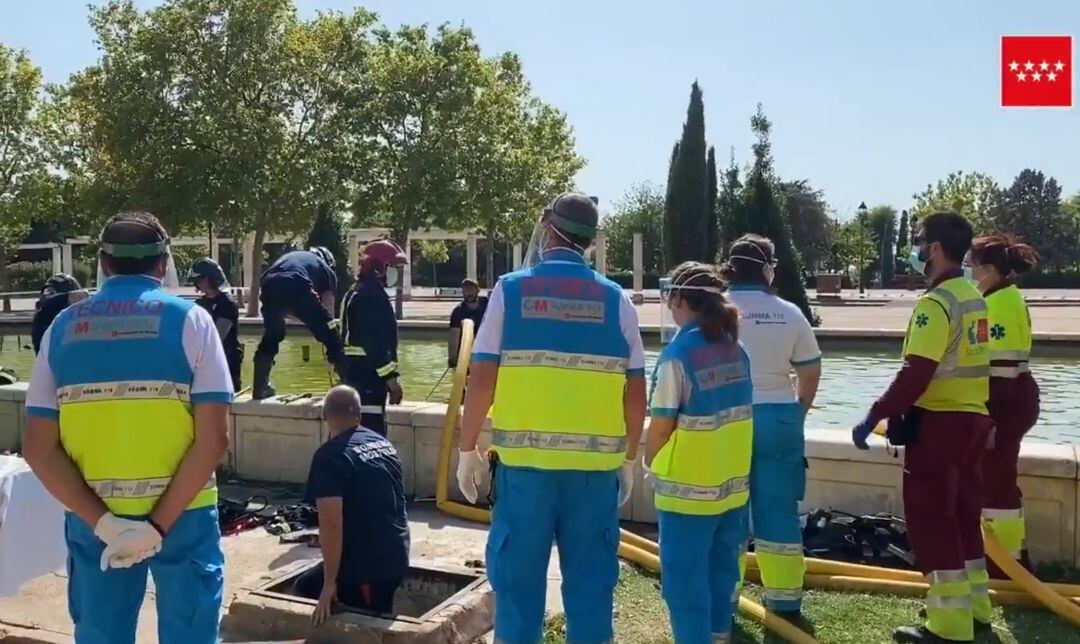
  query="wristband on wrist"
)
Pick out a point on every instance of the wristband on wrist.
point(154, 525)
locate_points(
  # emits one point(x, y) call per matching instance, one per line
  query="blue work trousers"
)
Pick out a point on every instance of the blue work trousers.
point(576, 510)
point(188, 580)
point(699, 560)
point(777, 484)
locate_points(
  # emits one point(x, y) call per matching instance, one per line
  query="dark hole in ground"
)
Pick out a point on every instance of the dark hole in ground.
point(422, 590)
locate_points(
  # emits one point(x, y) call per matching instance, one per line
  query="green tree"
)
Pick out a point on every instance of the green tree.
point(640, 210)
point(729, 206)
point(218, 110)
point(686, 208)
point(902, 244)
point(329, 231)
point(882, 225)
point(25, 187)
point(435, 252)
point(806, 213)
point(853, 248)
point(973, 195)
point(762, 213)
point(712, 224)
point(1031, 208)
point(448, 138)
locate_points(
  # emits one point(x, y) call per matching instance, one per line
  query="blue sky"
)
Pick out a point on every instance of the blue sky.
point(869, 100)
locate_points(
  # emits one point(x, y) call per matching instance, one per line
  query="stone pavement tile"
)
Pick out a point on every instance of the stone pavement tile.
point(41, 607)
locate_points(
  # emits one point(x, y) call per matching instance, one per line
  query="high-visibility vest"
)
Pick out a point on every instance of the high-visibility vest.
point(562, 369)
point(1010, 333)
point(704, 468)
point(962, 379)
point(124, 391)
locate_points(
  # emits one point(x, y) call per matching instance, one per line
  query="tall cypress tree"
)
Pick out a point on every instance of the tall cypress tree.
point(686, 211)
point(712, 224)
point(729, 205)
point(900, 266)
point(763, 216)
point(329, 231)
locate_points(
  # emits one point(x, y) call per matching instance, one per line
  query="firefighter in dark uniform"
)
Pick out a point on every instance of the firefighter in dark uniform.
point(59, 292)
point(208, 278)
point(369, 329)
point(301, 284)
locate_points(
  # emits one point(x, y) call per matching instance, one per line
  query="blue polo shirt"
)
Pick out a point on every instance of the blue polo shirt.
point(363, 469)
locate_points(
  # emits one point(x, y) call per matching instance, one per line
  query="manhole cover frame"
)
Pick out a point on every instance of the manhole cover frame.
point(292, 572)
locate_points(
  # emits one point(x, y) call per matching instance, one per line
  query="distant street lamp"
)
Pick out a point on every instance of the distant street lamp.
point(862, 244)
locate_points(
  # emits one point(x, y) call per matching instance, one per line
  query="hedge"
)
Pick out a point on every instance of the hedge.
point(31, 276)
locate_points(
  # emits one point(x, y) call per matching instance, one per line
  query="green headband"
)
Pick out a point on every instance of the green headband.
point(135, 251)
point(573, 227)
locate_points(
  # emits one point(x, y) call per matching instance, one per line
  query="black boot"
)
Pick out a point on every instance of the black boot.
point(260, 386)
point(918, 635)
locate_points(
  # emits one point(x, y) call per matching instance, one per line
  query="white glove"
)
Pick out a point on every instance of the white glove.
point(470, 471)
point(626, 481)
point(131, 547)
point(110, 526)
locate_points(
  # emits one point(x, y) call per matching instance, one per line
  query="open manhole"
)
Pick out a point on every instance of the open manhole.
point(434, 604)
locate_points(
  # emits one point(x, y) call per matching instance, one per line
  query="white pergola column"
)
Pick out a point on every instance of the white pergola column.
point(66, 262)
point(517, 257)
point(353, 251)
point(214, 254)
point(639, 277)
point(470, 257)
point(57, 260)
point(250, 269)
point(601, 253)
point(407, 273)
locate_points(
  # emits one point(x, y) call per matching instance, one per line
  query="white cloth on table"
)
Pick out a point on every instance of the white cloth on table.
point(31, 527)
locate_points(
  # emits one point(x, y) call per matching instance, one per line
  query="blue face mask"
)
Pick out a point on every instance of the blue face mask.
point(915, 260)
point(969, 273)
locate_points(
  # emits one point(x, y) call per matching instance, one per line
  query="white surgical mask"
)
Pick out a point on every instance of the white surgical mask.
point(915, 260)
point(769, 273)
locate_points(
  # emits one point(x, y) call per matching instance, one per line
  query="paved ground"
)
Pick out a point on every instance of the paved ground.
point(39, 613)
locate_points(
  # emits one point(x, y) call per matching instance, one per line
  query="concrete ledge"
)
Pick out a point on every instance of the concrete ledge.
point(273, 441)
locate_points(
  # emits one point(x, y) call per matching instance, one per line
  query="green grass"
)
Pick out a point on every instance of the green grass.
point(835, 617)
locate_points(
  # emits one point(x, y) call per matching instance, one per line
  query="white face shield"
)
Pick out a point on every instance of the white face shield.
point(171, 279)
point(393, 274)
point(669, 327)
point(533, 253)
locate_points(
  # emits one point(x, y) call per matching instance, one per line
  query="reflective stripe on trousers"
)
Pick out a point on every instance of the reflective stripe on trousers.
point(979, 579)
point(949, 605)
point(1009, 528)
point(553, 440)
point(1014, 371)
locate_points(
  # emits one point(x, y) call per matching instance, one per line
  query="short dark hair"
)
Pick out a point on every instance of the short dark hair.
point(132, 227)
point(738, 270)
point(341, 400)
point(951, 231)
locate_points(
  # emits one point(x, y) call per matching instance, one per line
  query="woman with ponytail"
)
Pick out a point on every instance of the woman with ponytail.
point(993, 264)
point(698, 452)
point(781, 343)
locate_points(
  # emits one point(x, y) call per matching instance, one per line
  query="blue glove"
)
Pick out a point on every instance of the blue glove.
point(860, 433)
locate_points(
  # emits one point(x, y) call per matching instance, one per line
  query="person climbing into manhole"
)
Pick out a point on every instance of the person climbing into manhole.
point(355, 483)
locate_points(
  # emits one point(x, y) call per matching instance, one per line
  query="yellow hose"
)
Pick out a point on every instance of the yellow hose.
point(632, 547)
point(1053, 601)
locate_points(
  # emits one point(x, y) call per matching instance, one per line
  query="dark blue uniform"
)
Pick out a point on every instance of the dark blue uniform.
point(369, 330)
point(223, 307)
point(294, 284)
point(48, 307)
point(363, 469)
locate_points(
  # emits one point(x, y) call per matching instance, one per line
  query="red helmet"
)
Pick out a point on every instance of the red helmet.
point(379, 254)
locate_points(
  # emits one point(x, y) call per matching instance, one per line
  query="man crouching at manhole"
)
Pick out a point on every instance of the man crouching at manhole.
point(355, 482)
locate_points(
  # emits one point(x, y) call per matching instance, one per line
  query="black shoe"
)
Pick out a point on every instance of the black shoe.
point(919, 635)
point(980, 626)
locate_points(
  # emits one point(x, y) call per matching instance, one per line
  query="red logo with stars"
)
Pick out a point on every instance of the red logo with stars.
point(1036, 71)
